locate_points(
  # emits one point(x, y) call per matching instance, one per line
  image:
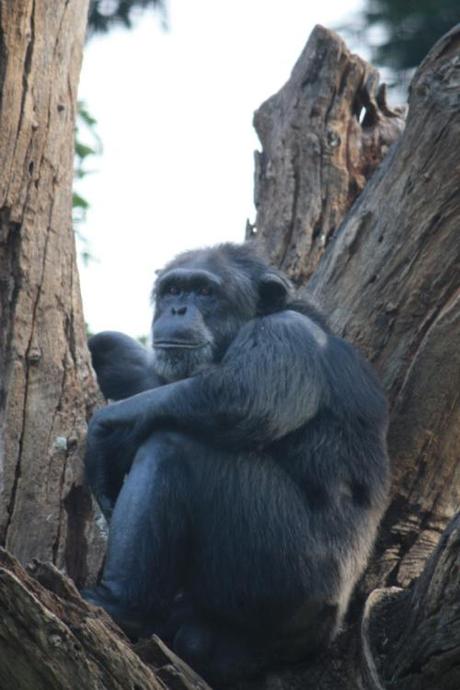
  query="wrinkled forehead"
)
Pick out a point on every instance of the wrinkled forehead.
point(188, 277)
point(207, 263)
point(216, 266)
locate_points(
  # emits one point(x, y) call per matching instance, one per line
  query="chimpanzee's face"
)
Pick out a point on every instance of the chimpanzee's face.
point(182, 341)
point(202, 300)
point(192, 324)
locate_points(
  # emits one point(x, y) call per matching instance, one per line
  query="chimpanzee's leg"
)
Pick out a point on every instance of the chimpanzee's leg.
point(223, 654)
point(229, 530)
point(106, 467)
point(148, 539)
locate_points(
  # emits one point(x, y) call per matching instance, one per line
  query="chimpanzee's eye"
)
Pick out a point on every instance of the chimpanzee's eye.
point(205, 291)
point(172, 290)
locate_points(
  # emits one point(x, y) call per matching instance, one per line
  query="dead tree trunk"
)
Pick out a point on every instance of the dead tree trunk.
point(322, 135)
point(389, 277)
point(45, 378)
point(390, 282)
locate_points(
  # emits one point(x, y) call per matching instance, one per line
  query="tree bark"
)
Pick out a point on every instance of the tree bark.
point(391, 282)
point(388, 273)
point(322, 135)
point(51, 639)
point(413, 635)
point(390, 276)
point(45, 380)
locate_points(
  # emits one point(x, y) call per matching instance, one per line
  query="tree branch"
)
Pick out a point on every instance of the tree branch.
point(51, 639)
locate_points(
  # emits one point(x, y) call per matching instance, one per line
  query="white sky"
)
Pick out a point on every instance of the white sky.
point(174, 112)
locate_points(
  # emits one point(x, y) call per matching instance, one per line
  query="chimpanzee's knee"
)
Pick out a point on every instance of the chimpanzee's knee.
point(166, 445)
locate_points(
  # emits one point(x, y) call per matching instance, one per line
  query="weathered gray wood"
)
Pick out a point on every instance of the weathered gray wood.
point(390, 281)
point(414, 636)
point(391, 284)
point(45, 378)
point(50, 639)
point(390, 275)
point(322, 136)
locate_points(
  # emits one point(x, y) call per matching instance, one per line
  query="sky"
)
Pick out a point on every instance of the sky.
point(174, 111)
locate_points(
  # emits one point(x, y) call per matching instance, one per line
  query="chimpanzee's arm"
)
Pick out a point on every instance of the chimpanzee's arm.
point(269, 383)
point(123, 366)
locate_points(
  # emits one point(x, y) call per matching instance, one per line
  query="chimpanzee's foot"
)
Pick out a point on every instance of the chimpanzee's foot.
point(181, 611)
point(130, 621)
point(220, 656)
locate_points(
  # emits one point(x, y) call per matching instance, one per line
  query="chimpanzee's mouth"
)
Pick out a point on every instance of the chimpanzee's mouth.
point(178, 344)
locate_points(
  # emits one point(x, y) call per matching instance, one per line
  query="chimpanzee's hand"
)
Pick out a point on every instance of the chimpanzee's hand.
point(115, 433)
point(111, 444)
point(135, 414)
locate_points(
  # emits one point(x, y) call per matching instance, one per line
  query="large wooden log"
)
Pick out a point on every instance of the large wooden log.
point(51, 639)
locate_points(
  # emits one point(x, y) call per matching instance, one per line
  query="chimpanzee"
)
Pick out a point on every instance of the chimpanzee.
point(243, 470)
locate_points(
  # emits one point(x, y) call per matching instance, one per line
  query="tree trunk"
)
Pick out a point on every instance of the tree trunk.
point(45, 378)
point(388, 273)
point(390, 277)
point(392, 284)
point(322, 136)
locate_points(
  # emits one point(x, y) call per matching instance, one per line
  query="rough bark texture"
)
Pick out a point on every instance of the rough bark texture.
point(390, 281)
point(45, 378)
point(389, 278)
point(414, 636)
point(322, 136)
point(50, 639)
point(391, 284)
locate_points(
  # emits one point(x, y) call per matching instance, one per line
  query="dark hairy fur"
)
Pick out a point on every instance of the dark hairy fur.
point(244, 470)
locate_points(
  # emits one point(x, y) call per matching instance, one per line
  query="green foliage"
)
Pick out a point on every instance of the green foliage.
point(104, 14)
point(87, 145)
point(407, 29)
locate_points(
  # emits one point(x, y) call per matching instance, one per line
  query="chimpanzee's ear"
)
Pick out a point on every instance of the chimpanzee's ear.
point(274, 291)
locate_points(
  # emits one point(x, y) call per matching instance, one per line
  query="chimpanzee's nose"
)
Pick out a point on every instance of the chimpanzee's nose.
point(180, 311)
